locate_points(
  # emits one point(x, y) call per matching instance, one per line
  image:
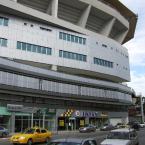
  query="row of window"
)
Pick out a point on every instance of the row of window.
point(3, 42)
point(72, 38)
point(103, 62)
point(4, 21)
point(33, 48)
point(71, 55)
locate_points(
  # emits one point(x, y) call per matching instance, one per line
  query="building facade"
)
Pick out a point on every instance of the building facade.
point(62, 63)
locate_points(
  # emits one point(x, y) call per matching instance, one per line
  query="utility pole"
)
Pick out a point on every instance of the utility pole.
point(142, 110)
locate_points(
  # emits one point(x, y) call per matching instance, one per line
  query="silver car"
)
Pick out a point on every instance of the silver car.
point(3, 132)
point(124, 136)
point(73, 141)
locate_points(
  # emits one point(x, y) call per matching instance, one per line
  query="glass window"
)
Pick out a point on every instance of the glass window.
point(18, 45)
point(34, 48)
point(84, 41)
point(4, 42)
point(39, 49)
point(48, 51)
point(68, 37)
point(80, 40)
point(76, 39)
point(1, 21)
point(6, 22)
point(60, 35)
point(23, 46)
point(64, 36)
point(60, 53)
point(28, 47)
point(44, 51)
point(72, 38)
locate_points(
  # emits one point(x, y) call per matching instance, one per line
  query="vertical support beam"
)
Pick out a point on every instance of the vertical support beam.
point(120, 37)
point(84, 17)
point(53, 8)
point(106, 30)
point(32, 120)
point(44, 119)
point(13, 122)
point(142, 110)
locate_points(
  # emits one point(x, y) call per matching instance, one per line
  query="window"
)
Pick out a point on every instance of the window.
point(23, 46)
point(45, 29)
point(72, 38)
point(71, 55)
point(104, 45)
point(103, 62)
point(18, 45)
point(33, 48)
point(3, 42)
point(4, 21)
point(43, 131)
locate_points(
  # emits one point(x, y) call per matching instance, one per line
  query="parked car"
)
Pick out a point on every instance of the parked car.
point(32, 135)
point(121, 125)
point(142, 125)
point(123, 136)
point(3, 132)
point(73, 141)
point(107, 127)
point(88, 128)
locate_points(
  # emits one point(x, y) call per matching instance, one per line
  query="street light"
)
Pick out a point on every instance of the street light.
point(142, 110)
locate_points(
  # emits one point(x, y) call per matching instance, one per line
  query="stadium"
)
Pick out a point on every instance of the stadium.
point(63, 63)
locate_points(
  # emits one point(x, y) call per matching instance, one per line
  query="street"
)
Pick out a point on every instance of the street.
point(98, 135)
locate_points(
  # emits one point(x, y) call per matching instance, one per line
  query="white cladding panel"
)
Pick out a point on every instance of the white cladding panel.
point(31, 33)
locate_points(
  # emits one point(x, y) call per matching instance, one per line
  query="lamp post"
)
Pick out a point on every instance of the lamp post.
point(142, 110)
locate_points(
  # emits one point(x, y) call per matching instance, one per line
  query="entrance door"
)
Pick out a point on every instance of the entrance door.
point(72, 123)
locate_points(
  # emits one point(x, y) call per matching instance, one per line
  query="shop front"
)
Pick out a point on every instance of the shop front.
point(74, 119)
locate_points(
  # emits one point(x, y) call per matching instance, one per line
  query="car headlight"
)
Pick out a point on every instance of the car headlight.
point(22, 137)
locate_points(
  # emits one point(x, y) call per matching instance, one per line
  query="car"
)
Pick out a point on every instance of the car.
point(73, 141)
point(123, 136)
point(142, 125)
point(87, 128)
point(32, 135)
point(107, 127)
point(3, 131)
point(121, 125)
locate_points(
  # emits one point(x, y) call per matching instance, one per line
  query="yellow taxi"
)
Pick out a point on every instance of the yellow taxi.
point(32, 135)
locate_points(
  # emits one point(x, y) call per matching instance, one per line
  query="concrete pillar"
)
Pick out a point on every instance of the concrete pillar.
point(13, 122)
point(53, 8)
point(106, 30)
point(84, 17)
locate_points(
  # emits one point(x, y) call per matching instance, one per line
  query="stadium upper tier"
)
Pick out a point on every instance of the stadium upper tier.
point(109, 18)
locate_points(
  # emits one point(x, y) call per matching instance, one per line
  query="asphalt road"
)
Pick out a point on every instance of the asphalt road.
point(99, 136)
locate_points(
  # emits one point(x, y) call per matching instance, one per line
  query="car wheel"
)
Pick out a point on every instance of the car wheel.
point(30, 142)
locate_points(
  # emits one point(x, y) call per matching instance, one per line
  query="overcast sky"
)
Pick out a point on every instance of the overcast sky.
point(136, 47)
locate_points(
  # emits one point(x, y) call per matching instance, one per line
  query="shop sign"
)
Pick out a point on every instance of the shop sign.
point(86, 114)
point(14, 107)
point(61, 122)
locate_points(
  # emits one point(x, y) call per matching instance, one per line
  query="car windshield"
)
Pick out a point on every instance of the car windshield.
point(64, 143)
point(118, 135)
point(29, 131)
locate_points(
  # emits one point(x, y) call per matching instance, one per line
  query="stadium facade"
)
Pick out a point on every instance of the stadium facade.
point(62, 63)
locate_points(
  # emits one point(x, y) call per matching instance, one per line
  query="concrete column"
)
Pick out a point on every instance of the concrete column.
point(120, 37)
point(106, 30)
point(32, 120)
point(13, 122)
point(84, 17)
point(53, 8)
